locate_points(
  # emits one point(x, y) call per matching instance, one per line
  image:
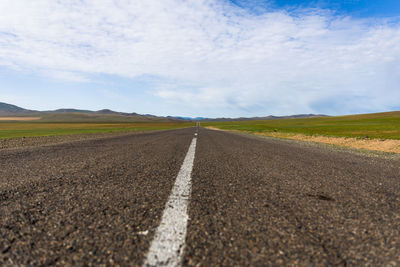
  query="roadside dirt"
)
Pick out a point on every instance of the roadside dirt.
point(383, 145)
point(19, 118)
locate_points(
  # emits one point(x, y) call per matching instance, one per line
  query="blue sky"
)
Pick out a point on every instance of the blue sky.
point(355, 8)
point(214, 58)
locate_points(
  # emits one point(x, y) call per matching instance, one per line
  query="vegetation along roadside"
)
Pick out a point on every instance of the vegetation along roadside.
point(378, 131)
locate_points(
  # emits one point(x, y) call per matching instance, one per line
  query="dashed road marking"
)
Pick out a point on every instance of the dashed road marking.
point(167, 247)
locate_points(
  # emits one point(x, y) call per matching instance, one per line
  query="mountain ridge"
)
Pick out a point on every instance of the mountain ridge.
point(76, 114)
point(13, 109)
point(79, 115)
point(270, 117)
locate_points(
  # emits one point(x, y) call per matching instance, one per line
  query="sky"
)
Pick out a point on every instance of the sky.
point(209, 58)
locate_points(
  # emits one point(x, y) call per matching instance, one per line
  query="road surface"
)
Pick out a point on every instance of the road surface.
point(231, 199)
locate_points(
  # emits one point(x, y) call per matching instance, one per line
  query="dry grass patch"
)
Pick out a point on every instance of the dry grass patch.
point(215, 128)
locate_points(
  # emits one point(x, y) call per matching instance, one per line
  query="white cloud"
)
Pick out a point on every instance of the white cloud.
point(210, 53)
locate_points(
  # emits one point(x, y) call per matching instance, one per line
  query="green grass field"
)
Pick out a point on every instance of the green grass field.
point(378, 126)
point(27, 129)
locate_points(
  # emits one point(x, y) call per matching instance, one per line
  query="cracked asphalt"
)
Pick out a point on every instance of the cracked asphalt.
point(254, 202)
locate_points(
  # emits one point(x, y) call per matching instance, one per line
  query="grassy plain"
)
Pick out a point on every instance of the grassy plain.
point(27, 129)
point(366, 126)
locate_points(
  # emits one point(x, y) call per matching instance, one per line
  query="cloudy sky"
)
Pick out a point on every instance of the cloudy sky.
point(202, 57)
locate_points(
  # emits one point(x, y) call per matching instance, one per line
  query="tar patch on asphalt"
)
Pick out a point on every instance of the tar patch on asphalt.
point(321, 197)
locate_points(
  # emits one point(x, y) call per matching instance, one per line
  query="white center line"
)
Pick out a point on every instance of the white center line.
point(167, 247)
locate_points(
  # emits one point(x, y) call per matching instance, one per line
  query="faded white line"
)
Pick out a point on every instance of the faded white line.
point(167, 247)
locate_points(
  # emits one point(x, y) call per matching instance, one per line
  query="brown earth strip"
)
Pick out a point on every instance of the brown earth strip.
point(19, 118)
point(384, 145)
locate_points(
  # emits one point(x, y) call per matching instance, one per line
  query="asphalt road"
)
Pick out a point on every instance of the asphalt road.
point(253, 202)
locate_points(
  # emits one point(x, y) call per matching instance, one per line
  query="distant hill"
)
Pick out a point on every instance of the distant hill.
point(68, 110)
point(250, 118)
point(79, 115)
point(298, 116)
point(84, 111)
point(8, 109)
point(188, 118)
